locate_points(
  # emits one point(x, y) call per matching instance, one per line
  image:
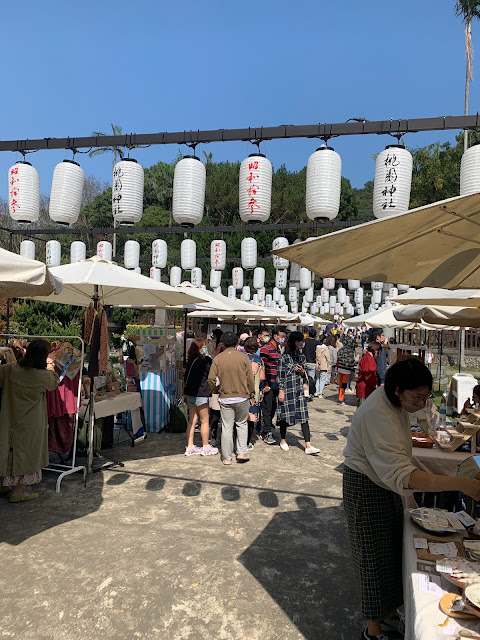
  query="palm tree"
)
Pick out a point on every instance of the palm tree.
point(117, 151)
point(467, 10)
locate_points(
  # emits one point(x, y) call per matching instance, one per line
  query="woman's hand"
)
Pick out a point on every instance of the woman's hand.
point(50, 364)
point(281, 396)
point(299, 369)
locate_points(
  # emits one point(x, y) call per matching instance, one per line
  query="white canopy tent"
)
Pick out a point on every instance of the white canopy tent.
point(437, 245)
point(307, 319)
point(451, 317)
point(22, 277)
point(441, 297)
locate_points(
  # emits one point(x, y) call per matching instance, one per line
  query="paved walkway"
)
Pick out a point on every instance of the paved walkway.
point(170, 547)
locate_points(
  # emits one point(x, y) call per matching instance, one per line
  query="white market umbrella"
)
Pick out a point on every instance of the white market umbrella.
point(380, 318)
point(437, 245)
point(213, 301)
point(451, 317)
point(254, 313)
point(22, 277)
point(114, 285)
point(307, 319)
point(432, 296)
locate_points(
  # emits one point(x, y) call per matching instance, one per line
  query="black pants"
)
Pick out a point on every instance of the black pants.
point(305, 430)
point(251, 429)
point(214, 422)
point(269, 409)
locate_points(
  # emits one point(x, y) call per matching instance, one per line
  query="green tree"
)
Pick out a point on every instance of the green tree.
point(117, 151)
point(468, 10)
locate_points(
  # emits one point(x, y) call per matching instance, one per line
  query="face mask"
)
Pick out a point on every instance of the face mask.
point(266, 339)
point(282, 340)
point(411, 407)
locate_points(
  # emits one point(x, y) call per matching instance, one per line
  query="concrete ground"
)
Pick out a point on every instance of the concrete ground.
point(170, 547)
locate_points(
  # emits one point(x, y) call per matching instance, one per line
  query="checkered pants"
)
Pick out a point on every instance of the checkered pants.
point(375, 528)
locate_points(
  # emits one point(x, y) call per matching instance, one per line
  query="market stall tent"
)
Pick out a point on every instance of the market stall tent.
point(437, 245)
point(21, 277)
point(441, 297)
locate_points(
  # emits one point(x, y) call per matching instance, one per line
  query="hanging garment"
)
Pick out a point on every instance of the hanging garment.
point(104, 343)
point(93, 365)
point(61, 409)
point(88, 323)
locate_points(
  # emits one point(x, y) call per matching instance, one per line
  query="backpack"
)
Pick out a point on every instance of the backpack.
point(177, 418)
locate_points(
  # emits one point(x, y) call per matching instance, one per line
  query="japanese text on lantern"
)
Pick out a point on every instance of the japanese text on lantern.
point(391, 176)
point(217, 250)
point(253, 187)
point(14, 189)
point(117, 191)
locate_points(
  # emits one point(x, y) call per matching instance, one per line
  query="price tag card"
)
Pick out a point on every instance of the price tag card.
point(454, 521)
point(465, 519)
point(429, 583)
point(420, 543)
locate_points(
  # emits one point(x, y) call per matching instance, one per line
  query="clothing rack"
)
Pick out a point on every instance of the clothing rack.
point(63, 469)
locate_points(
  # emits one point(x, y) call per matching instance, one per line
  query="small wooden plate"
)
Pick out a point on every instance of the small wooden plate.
point(456, 581)
point(446, 603)
point(472, 608)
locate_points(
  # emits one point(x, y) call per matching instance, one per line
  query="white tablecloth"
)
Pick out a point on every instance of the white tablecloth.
point(111, 406)
point(423, 614)
point(438, 461)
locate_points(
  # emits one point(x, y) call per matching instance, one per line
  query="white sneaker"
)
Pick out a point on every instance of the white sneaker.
point(320, 395)
point(315, 395)
point(311, 450)
point(284, 446)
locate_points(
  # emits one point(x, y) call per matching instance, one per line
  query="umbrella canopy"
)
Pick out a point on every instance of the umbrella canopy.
point(211, 300)
point(307, 319)
point(22, 277)
point(453, 317)
point(441, 297)
point(379, 319)
point(262, 314)
point(114, 285)
point(437, 245)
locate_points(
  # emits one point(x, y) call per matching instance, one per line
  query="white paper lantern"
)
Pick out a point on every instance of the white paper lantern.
point(159, 253)
point(353, 285)
point(282, 301)
point(338, 308)
point(309, 295)
point(27, 249)
point(281, 278)
point(105, 250)
point(131, 254)
point(268, 299)
point(347, 301)
point(276, 293)
point(246, 293)
point(358, 296)
point(403, 287)
point(292, 294)
point(332, 301)
point(324, 175)
point(376, 296)
point(387, 286)
point(23, 192)
point(393, 292)
point(188, 254)
point(350, 310)
point(137, 270)
point(258, 278)
point(175, 276)
point(196, 277)
point(237, 277)
point(294, 307)
point(218, 254)
point(470, 170)
point(218, 291)
point(341, 294)
point(215, 279)
point(261, 294)
point(360, 309)
point(127, 191)
point(324, 293)
point(189, 191)
point(388, 304)
point(66, 193)
point(376, 286)
point(393, 179)
point(231, 291)
point(53, 253)
point(305, 278)
point(248, 252)
point(255, 188)
point(411, 289)
point(78, 251)
point(318, 301)
point(278, 262)
point(329, 283)
point(156, 274)
point(255, 298)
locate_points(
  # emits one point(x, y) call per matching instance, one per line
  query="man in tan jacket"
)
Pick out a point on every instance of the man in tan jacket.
point(236, 388)
point(322, 355)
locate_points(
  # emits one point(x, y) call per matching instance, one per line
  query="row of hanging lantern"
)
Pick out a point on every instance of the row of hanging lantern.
point(391, 194)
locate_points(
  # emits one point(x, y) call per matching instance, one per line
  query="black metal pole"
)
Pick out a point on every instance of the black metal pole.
point(7, 321)
point(185, 338)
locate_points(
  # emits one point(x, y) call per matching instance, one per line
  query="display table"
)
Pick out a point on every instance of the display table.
point(111, 406)
point(159, 391)
point(438, 461)
point(422, 611)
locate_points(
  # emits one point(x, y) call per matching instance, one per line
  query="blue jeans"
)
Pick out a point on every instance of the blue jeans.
point(311, 370)
point(322, 380)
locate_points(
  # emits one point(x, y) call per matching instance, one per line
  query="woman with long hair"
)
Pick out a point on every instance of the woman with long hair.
point(258, 370)
point(196, 389)
point(292, 401)
point(367, 373)
point(24, 421)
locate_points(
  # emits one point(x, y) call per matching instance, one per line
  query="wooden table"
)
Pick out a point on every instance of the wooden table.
point(438, 461)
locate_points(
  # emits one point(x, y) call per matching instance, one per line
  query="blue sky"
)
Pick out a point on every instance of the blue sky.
point(70, 68)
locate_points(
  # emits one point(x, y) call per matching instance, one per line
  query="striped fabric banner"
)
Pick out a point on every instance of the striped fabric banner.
point(159, 390)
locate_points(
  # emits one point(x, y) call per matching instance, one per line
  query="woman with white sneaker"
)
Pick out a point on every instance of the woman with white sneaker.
point(292, 400)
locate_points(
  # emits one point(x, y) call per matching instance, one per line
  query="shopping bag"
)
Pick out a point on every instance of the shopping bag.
point(178, 417)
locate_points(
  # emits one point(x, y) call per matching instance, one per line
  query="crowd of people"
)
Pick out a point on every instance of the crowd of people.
point(248, 384)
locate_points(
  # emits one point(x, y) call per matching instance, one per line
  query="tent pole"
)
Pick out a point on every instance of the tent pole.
point(91, 415)
point(185, 338)
point(440, 360)
point(7, 322)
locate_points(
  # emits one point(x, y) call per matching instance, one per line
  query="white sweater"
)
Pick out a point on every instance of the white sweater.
point(379, 443)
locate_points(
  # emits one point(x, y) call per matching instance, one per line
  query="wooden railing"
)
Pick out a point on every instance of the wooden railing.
point(433, 339)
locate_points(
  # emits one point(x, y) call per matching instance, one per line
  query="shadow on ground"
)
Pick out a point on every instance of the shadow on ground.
point(299, 559)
